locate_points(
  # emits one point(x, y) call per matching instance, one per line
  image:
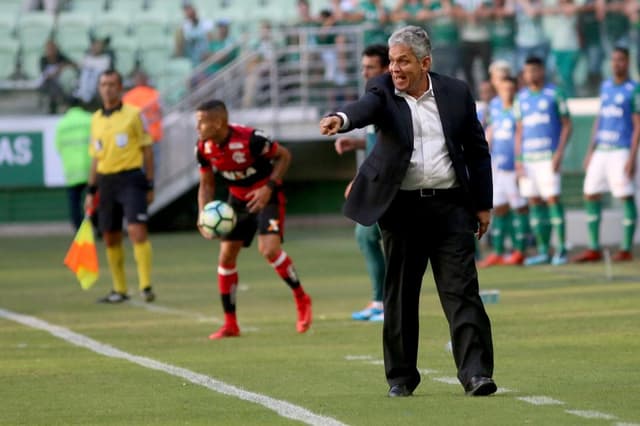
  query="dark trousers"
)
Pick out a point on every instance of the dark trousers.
point(76, 203)
point(470, 51)
point(439, 229)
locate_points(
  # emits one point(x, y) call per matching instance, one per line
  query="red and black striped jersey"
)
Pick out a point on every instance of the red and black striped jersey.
point(243, 160)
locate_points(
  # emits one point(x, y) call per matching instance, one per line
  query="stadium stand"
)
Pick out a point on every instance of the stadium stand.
point(8, 57)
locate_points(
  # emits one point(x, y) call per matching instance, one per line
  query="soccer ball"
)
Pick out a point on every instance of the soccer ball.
point(217, 218)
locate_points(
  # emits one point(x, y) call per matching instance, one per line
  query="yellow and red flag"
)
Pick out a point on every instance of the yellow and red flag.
point(82, 257)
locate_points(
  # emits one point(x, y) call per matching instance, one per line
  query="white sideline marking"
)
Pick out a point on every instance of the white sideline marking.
point(283, 408)
point(376, 362)
point(153, 307)
point(540, 400)
point(358, 357)
point(626, 424)
point(427, 371)
point(447, 380)
point(587, 414)
point(503, 390)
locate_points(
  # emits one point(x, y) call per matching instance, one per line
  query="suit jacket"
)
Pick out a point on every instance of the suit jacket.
point(379, 178)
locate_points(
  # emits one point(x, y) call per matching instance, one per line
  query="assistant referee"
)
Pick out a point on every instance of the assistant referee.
point(122, 177)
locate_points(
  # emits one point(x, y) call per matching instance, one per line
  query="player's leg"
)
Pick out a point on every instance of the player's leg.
point(227, 286)
point(594, 185)
point(550, 188)
point(538, 213)
point(622, 187)
point(519, 221)
point(499, 226)
point(270, 228)
point(133, 198)
point(368, 238)
point(498, 222)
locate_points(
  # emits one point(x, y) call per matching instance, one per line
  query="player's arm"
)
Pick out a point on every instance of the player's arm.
point(517, 147)
point(346, 144)
point(206, 191)
point(565, 132)
point(258, 198)
point(592, 143)
point(630, 167)
point(92, 185)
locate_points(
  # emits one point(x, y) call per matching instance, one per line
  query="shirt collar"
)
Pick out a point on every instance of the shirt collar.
point(108, 112)
point(429, 93)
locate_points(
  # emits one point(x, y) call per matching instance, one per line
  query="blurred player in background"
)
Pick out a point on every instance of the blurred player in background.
point(375, 61)
point(542, 132)
point(122, 174)
point(610, 161)
point(252, 166)
point(506, 197)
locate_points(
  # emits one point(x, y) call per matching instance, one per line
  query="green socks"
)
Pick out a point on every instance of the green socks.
point(498, 228)
point(594, 215)
point(539, 217)
point(558, 224)
point(628, 223)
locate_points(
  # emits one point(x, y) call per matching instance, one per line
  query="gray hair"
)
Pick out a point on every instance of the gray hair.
point(414, 37)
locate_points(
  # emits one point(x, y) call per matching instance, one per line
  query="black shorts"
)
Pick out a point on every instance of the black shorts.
point(121, 195)
point(269, 220)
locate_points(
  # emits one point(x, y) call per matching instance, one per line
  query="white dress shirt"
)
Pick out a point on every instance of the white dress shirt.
point(430, 165)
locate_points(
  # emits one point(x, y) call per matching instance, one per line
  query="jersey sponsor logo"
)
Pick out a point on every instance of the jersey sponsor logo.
point(611, 111)
point(619, 99)
point(543, 104)
point(122, 139)
point(536, 119)
point(239, 157)
point(536, 143)
point(608, 136)
point(236, 145)
point(238, 174)
point(208, 147)
point(503, 133)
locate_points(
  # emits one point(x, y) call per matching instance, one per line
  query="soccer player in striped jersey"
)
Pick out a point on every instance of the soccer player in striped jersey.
point(610, 161)
point(252, 166)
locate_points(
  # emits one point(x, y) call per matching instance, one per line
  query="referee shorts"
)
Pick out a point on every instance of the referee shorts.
point(121, 195)
point(269, 220)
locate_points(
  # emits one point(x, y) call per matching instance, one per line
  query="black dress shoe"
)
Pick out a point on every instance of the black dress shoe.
point(399, 390)
point(480, 386)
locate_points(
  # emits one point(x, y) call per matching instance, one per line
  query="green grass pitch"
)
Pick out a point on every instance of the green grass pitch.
point(568, 334)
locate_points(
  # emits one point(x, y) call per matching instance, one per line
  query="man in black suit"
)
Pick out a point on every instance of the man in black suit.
point(427, 183)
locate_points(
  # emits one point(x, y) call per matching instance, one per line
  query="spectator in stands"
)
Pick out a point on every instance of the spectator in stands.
point(565, 45)
point(616, 24)
point(51, 6)
point(98, 59)
point(73, 133)
point(51, 65)
point(375, 16)
point(445, 38)
point(147, 99)
point(258, 71)
point(633, 11)
point(192, 38)
point(222, 48)
point(503, 32)
point(591, 41)
point(410, 12)
point(332, 47)
point(530, 38)
point(475, 38)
